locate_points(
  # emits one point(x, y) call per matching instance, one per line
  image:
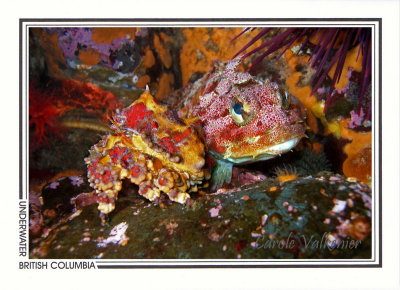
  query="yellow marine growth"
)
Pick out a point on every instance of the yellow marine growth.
point(152, 148)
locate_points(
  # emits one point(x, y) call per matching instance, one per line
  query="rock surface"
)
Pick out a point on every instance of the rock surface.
point(325, 216)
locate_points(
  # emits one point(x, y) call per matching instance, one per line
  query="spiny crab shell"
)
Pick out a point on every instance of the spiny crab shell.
point(153, 149)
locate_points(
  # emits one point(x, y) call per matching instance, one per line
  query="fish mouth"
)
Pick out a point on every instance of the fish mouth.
point(264, 154)
point(283, 147)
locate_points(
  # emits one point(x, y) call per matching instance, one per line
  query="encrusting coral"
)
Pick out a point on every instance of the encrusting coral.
point(204, 45)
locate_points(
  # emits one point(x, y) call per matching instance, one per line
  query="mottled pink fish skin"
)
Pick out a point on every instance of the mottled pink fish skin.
point(210, 100)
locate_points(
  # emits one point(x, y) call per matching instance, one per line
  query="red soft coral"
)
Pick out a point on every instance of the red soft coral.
point(47, 103)
point(43, 112)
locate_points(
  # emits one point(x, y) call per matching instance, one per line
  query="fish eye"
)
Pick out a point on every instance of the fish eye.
point(285, 99)
point(240, 111)
point(238, 108)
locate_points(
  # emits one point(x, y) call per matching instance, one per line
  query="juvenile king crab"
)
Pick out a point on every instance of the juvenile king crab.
point(152, 148)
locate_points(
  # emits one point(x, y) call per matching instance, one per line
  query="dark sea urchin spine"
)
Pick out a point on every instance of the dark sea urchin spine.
point(330, 48)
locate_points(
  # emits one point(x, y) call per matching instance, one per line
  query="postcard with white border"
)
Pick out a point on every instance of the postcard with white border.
point(198, 143)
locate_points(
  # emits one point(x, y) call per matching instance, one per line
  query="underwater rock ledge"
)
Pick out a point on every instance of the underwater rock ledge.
point(321, 217)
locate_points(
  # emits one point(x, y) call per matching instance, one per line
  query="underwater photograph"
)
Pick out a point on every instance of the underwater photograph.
point(201, 142)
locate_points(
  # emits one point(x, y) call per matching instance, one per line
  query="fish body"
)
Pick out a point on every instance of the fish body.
point(243, 119)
